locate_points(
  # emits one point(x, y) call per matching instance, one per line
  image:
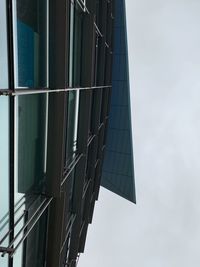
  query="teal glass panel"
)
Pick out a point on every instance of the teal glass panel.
point(4, 172)
point(3, 47)
point(31, 43)
point(31, 129)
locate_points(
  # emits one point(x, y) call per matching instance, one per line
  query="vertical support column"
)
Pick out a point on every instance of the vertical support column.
point(9, 9)
point(58, 74)
point(87, 80)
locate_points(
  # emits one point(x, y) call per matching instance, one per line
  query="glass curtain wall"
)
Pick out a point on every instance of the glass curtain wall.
point(31, 30)
point(30, 42)
point(4, 172)
point(4, 140)
point(30, 55)
point(76, 16)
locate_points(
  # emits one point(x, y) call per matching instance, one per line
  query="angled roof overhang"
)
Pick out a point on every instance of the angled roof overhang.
point(118, 169)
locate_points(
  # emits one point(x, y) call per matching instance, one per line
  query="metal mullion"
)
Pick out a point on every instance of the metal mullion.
point(9, 10)
point(58, 80)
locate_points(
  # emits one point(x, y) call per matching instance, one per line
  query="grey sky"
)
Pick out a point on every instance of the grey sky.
point(162, 230)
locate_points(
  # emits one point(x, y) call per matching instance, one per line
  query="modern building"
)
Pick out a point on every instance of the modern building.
point(65, 124)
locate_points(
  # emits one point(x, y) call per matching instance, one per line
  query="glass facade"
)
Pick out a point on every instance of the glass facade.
point(74, 78)
point(31, 43)
point(30, 142)
point(4, 173)
point(55, 87)
point(3, 47)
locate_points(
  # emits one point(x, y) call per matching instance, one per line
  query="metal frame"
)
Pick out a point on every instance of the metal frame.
point(9, 10)
point(11, 249)
point(90, 91)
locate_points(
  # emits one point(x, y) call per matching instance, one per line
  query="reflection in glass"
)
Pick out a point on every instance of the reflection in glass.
point(74, 79)
point(31, 45)
point(3, 47)
point(30, 158)
point(4, 175)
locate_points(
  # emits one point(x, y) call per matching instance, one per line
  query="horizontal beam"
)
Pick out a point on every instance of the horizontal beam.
point(28, 91)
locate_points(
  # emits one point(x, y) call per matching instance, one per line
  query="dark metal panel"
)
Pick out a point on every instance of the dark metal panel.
point(58, 73)
point(100, 141)
point(103, 16)
point(92, 205)
point(87, 78)
point(58, 43)
point(78, 185)
point(100, 172)
point(87, 202)
point(84, 122)
point(97, 175)
point(74, 243)
point(91, 5)
point(56, 135)
point(54, 241)
point(83, 237)
point(91, 159)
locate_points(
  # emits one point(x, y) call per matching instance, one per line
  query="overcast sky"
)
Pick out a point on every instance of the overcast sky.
point(163, 229)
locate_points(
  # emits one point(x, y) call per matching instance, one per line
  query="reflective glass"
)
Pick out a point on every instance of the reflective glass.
point(31, 43)
point(3, 47)
point(74, 79)
point(30, 150)
point(4, 172)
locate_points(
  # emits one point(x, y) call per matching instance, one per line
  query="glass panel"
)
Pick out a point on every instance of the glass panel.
point(4, 173)
point(74, 80)
point(72, 125)
point(92, 110)
point(31, 117)
point(3, 47)
point(31, 43)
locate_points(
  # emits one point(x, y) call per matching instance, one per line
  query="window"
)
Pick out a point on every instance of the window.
point(31, 43)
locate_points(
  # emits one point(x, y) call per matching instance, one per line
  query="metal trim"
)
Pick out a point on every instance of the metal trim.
point(28, 91)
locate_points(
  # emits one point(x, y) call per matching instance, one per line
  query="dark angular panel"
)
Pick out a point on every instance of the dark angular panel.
point(118, 170)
